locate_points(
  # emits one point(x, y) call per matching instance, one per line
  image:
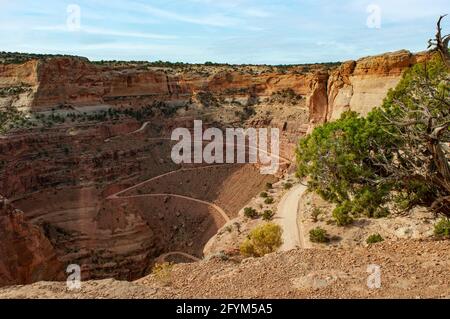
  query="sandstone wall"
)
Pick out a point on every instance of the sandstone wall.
point(362, 85)
point(26, 255)
point(355, 85)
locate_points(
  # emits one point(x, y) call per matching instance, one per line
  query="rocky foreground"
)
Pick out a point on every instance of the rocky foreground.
point(409, 269)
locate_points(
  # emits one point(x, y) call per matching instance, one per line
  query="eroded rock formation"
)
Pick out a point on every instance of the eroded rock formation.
point(26, 255)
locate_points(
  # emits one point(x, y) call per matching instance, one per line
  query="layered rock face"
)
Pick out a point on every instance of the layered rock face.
point(362, 85)
point(355, 85)
point(26, 255)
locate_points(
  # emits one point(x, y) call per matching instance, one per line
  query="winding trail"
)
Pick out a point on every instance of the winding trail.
point(287, 218)
point(220, 210)
point(145, 124)
point(224, 215)
point(163, 257)
point(116, 195)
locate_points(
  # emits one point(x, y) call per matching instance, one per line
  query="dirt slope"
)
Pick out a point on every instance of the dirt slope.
point(409, 269)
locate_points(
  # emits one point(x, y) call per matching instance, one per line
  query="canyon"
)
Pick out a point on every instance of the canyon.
point(99, 188)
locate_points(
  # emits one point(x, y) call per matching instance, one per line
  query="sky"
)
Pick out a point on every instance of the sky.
point(222, 31)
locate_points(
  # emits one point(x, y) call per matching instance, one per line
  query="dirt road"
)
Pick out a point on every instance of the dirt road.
point(287, 214)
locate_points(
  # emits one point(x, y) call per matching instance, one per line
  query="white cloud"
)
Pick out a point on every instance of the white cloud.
point(106, 32)
point(216, 20)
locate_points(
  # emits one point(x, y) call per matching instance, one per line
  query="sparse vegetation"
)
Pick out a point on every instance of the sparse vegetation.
point(19, 58)
point(267, 215)
point(250, 212)
point(228, 229)
point(269, 186)
point(11, 118)
point(287, 96)
point(264, 195)
point(14, 90)
point(318, 235)
point(262, 240)
point(163, 272)
point(287, 185)
point(442, 228)
point(375, 238)
point(315, 214)
point(207, 99)
point(342, 214)
point(269, 200)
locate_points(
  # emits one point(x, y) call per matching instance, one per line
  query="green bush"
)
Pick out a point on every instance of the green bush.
point(442, 228)
point(318, 235)
point(262, 240)
point(268, 200)
point(264, 195)
point(341, 214)
point(287, 185)
point(375, 238)
point(267, 215)
point(250, 212)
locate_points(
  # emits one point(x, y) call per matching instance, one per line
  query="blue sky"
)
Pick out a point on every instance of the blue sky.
point(233, 31)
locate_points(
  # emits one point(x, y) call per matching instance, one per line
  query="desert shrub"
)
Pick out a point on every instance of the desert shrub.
point(163, 272)
point(264, 195)
point(228, 229)
point(268, 200)
point(287, 185)
point(267, 215)
point(269, 186)
point(318, 235)
point(341, 214)
point(11, 118)
point(316, 212)
point(375, 238)
point(250, 212)
point(262, 240)
point(442, 228)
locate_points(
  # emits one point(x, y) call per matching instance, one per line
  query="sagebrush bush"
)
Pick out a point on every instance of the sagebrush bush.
point(250, 212)
point(268, 200)
point(262, 240)
point(268, 215)
point(318, 235)
point(287, 185)
point(375, 238)
point(442, 228)
point(341, 214)
point(163, 272)
point(264, 195)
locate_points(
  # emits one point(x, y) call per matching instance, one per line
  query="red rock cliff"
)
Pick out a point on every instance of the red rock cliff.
point(26, 255)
